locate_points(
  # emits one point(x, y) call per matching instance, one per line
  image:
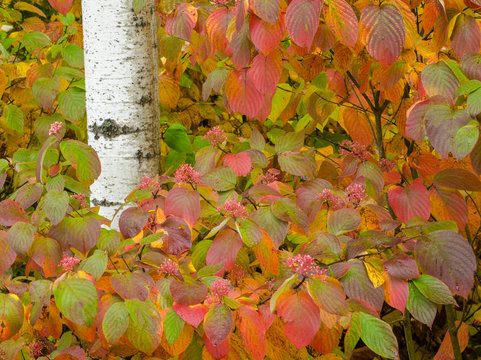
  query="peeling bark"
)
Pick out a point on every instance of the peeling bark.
point(122, 96)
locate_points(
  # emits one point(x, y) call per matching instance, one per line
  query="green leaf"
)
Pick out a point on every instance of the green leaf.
point(176, 138)
point(173, 325)
point(144, 326)
point(434, 289)
point(72, 103)
point(45, 91)
point(95, 264)
point(299, 164)
point(343, 220)
point(139, 5)
point(55, 206)
point(83, 158)
point(21, 237)
point(249, 232)
point(291, 141)
point(108, 241)
point(280, 100)
point(11, 315)
point(35, 40)
point(468, 87)
point(77, 300)
point(420, 307)
point(474, 103)
point(378, 336)
point(115, 322)
point(174, 160)
point(221, 179)
point(466, 138)
point(73, 55)
point(328, 294)
point(14, 118)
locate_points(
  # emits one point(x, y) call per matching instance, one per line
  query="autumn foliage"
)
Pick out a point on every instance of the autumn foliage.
point(320, 197)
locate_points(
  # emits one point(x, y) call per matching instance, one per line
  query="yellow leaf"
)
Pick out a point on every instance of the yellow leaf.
point(375, 275)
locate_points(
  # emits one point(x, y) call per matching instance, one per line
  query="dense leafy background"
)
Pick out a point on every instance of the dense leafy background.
point(330, 209)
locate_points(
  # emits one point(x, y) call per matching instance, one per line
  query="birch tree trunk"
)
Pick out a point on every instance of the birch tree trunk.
point(122, 96)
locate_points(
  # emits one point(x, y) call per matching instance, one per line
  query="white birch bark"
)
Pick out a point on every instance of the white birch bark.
point(122, 96)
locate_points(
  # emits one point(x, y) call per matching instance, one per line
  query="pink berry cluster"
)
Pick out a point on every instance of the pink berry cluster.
point(55, 128)
point(41, 347)
point(386, 165)
point(356, 192)
point(81, 200)
point(186, 174)
point(215, 136)
point(334, 202)
point(218, 288)
point(354, 148)
point(168, 267)
point(149, 182)
point(304, 265)
point(68, 263)
point(234, 209)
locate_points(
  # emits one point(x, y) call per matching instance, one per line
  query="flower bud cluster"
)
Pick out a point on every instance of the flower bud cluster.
point(55, 128)
point(168, 267)
point(334, 202)
point(186, 174)
point(215, 136)
point(304, 265)
point(354, 148)
point(68, 263)
point(356, 192)
point(234, 209)
point(218, 288)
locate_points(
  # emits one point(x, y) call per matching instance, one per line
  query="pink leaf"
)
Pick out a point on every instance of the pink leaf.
point(183, 203)
point(193, 314)
point(182, 21)
point(224, 250)
point(62, 6)
point(302, 20)
point(266, 37)
point(266, 71)
point(410, 201)
point(240, 163)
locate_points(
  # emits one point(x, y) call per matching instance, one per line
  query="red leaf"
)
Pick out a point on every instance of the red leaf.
point(216, 25)
point(241, 47)
point(252, 331)
point(302, 20)
point(301, 316)
point(193, 314)
point(240, 163)
point(439, 79)
point(449, 205)
point(183, 203)
point(415, 127)
point(466, 36)
point(11, 212)
point(188, 293)
point(132, 285)
point(266, 37)
point(217, 351)
point(402, 266)
point(396, 292)
point(218, 324)
point(224, 250)
point(62, 6)
point(471, 65)
point(132, 221)
point(267, 10)
point(178, 238)
point(449, 257)
point(411, 201)
point(182, 21)
point(242, 94)
point(457, 179)
point(266, 71)
point(7, 255)
point(383, 32)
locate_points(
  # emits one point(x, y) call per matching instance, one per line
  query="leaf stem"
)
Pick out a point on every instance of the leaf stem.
point(408, 335)
point(453, 333)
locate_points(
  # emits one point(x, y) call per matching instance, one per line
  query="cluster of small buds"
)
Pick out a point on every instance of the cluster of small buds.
point(234, 209)
point(356, 192)
point(219, 3)
point(149, 182)
point(386, 165)
point(168, 267)
point(354, 148)
point(304, 265)
point(270, 176)
point(55, 128)
point(68, 263)
point(186, 174)
point(81, 200)
point(218, 288)
point(215, 136)
point(40, 347)
point(237, 273)
point(334, 202)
